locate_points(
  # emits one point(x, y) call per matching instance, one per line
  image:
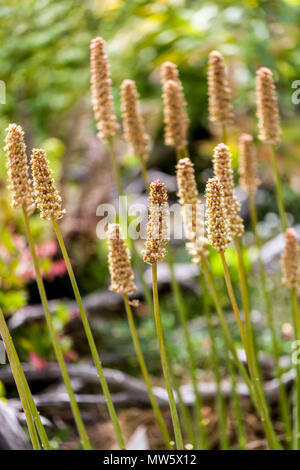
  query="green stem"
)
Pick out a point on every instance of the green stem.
point(296, 320)
point(226, 331)
point(245, 301)
point(184, 412)
point(237, 409)
point(202, 441)
point(224, 134)
point(145, 373)
point(58, 351)
point(115, 165)
point(89, 335)
point(35, 414)
point(15, 368)
point(144, 173)
point(255, 377)
point(220, 402)
point(283, 398)
point(234, 303)
point(138, 263)
point(165, 367)
point(280, 200)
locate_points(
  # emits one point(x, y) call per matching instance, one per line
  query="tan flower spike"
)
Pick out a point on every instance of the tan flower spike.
point(217, 223)
point(18, 169)
point(223, 171)
point(247, 164)
point(158, 223)
point(121, 274)
point(47, 197)
point(290, 260)
point(191, 210)
point(134, 129)
point(219, 94)
point(169, 71)
point(175, 116)
point(267, 107)
point(101, 91)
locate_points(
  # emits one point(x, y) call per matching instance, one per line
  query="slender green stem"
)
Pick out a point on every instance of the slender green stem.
point(116, 168)
point(35, 414)
point(237, 409)
point(283, 398)
point(165, 367)
point(202, 440)
point(184, 412)
point(89, 335)
point(234, 303)
point(15, 366)
point(220, 402)
point(224, 134)
point(58, 351)
point(138, 263)
point(145, 373)
point(226, 331)
point(144, 173)
point(245, 301)
point(280, 200)
point(296, 320)
point(255, 377)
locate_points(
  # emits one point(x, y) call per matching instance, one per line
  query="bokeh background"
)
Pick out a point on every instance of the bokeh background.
point(44, 56)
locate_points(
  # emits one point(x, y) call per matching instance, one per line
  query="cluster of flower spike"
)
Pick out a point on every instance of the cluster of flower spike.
point(218, 229)
point(290, 260)
point(224, 173)
point(101, 91)
point(175, 117)
point(158, 223)
point(134, 129)
point(121, 274)
point(267, 108)
point(219, 95)
point(247, 164)
point(47, 197)
point(191, 210)
point(18, 168)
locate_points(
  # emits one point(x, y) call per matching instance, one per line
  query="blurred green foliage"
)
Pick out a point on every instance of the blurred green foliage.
point(44, 51)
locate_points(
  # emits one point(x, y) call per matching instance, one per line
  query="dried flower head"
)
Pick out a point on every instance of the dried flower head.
point(267, 108)
point(18, 168)
point(158, 223)
point(248, 164)
point(218, 227)
point(224, 173)
point(134, 129)
point(191, 210)
point(290, 260)
point(169, 71)
point(175, 116)
point(102, 101)
point(219, 94)
point(121, 274)
point(47, 197)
